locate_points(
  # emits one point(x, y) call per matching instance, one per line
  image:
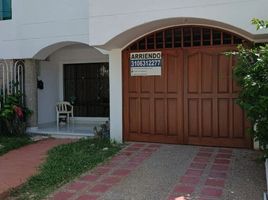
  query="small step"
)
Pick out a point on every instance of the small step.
point(63, 135)
point(59, 134)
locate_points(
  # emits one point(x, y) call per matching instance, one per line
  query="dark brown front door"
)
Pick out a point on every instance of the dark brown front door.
point(192, 102)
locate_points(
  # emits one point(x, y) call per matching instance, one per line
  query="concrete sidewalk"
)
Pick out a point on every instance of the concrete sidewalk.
point(18, 165)
point(145, 171)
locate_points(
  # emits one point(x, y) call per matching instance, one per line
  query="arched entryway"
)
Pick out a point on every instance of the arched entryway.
point(192, 99)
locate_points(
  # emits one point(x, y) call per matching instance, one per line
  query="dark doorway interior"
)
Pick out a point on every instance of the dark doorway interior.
point(86, 86)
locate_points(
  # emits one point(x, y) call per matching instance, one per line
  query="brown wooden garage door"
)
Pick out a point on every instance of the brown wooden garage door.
point(192, 102)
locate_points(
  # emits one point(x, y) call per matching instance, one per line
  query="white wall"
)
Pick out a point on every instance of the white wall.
point(48, 72)
point(51, 73)
point(37, 24)
point(121, 15)
point(116, 95)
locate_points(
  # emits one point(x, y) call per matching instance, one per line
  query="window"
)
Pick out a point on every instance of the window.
point(5, 10)
point(184, 37)
point(87, 85)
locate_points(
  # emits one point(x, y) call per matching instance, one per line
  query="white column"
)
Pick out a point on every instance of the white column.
point(31, 90)
point(116, 95)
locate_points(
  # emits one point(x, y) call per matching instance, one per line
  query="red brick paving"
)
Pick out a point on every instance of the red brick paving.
point(220, 167)
point(138, 145)
point(149, 149)
point(205, 177)
point(121, 172)
point(220, 155)
point(101, 170)
point(215, 182)
point(212, 192)
point(111, 180)
point(222, 161)
point(127, 153)
point(198, 165)
point(90, 178)
point(132, 149)
point(201, 159)
point(189, 180)
point(77, 186)
point(194, 172)
point(204, 154)
point(130, 165)
point(18, 165)
point(62, 196)
point(100, 188)
point(184, 189)
point(229, 151)
point(104, 177)
point(217, 174)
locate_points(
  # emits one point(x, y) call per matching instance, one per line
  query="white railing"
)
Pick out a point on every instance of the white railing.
point(18, 76)
point(12, 77)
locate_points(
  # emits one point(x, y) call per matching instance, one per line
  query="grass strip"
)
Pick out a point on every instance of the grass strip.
point(63, 164)
point(8, 143)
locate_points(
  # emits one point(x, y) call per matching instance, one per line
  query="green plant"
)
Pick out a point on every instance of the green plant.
point(103, 132)
point(13, 113)
point(251, 73)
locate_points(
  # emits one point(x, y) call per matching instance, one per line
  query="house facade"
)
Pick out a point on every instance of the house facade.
point(156, 69)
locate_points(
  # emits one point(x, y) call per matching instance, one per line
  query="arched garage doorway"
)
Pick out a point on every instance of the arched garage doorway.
point(192, 99)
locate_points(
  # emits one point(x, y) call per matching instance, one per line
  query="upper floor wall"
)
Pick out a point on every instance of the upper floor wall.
point(40, 27)
point(114, 24)
point(37, 24)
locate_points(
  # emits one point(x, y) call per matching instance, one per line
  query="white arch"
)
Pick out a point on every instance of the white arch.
point(43, 53)
point(125, 38)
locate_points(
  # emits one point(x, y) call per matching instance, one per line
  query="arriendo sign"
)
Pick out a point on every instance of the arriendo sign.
point(146, 63)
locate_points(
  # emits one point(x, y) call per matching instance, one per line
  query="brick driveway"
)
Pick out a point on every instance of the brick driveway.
point(145, 171)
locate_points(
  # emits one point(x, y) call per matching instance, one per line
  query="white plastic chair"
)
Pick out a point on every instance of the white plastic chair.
point(64, 109)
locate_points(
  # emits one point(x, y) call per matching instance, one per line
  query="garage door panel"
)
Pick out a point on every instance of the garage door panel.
point(193, 117)
point(223, 74)
point(207, 117)
point(193, 73)
point(134, 115)
point(192, 102)
point(160, 83)
point(223, 118)
point(146, 84)
point(207, 73)
point(133, 84)
point(172, 74)
point(235, 87)
point(238, 123)
point(160, 117)
point(172, 118)
point(145, 115)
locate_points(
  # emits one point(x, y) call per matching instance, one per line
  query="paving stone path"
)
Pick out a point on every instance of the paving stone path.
point(93, 185)
point(18, 165)
point(143, 171)
point(204, 179)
